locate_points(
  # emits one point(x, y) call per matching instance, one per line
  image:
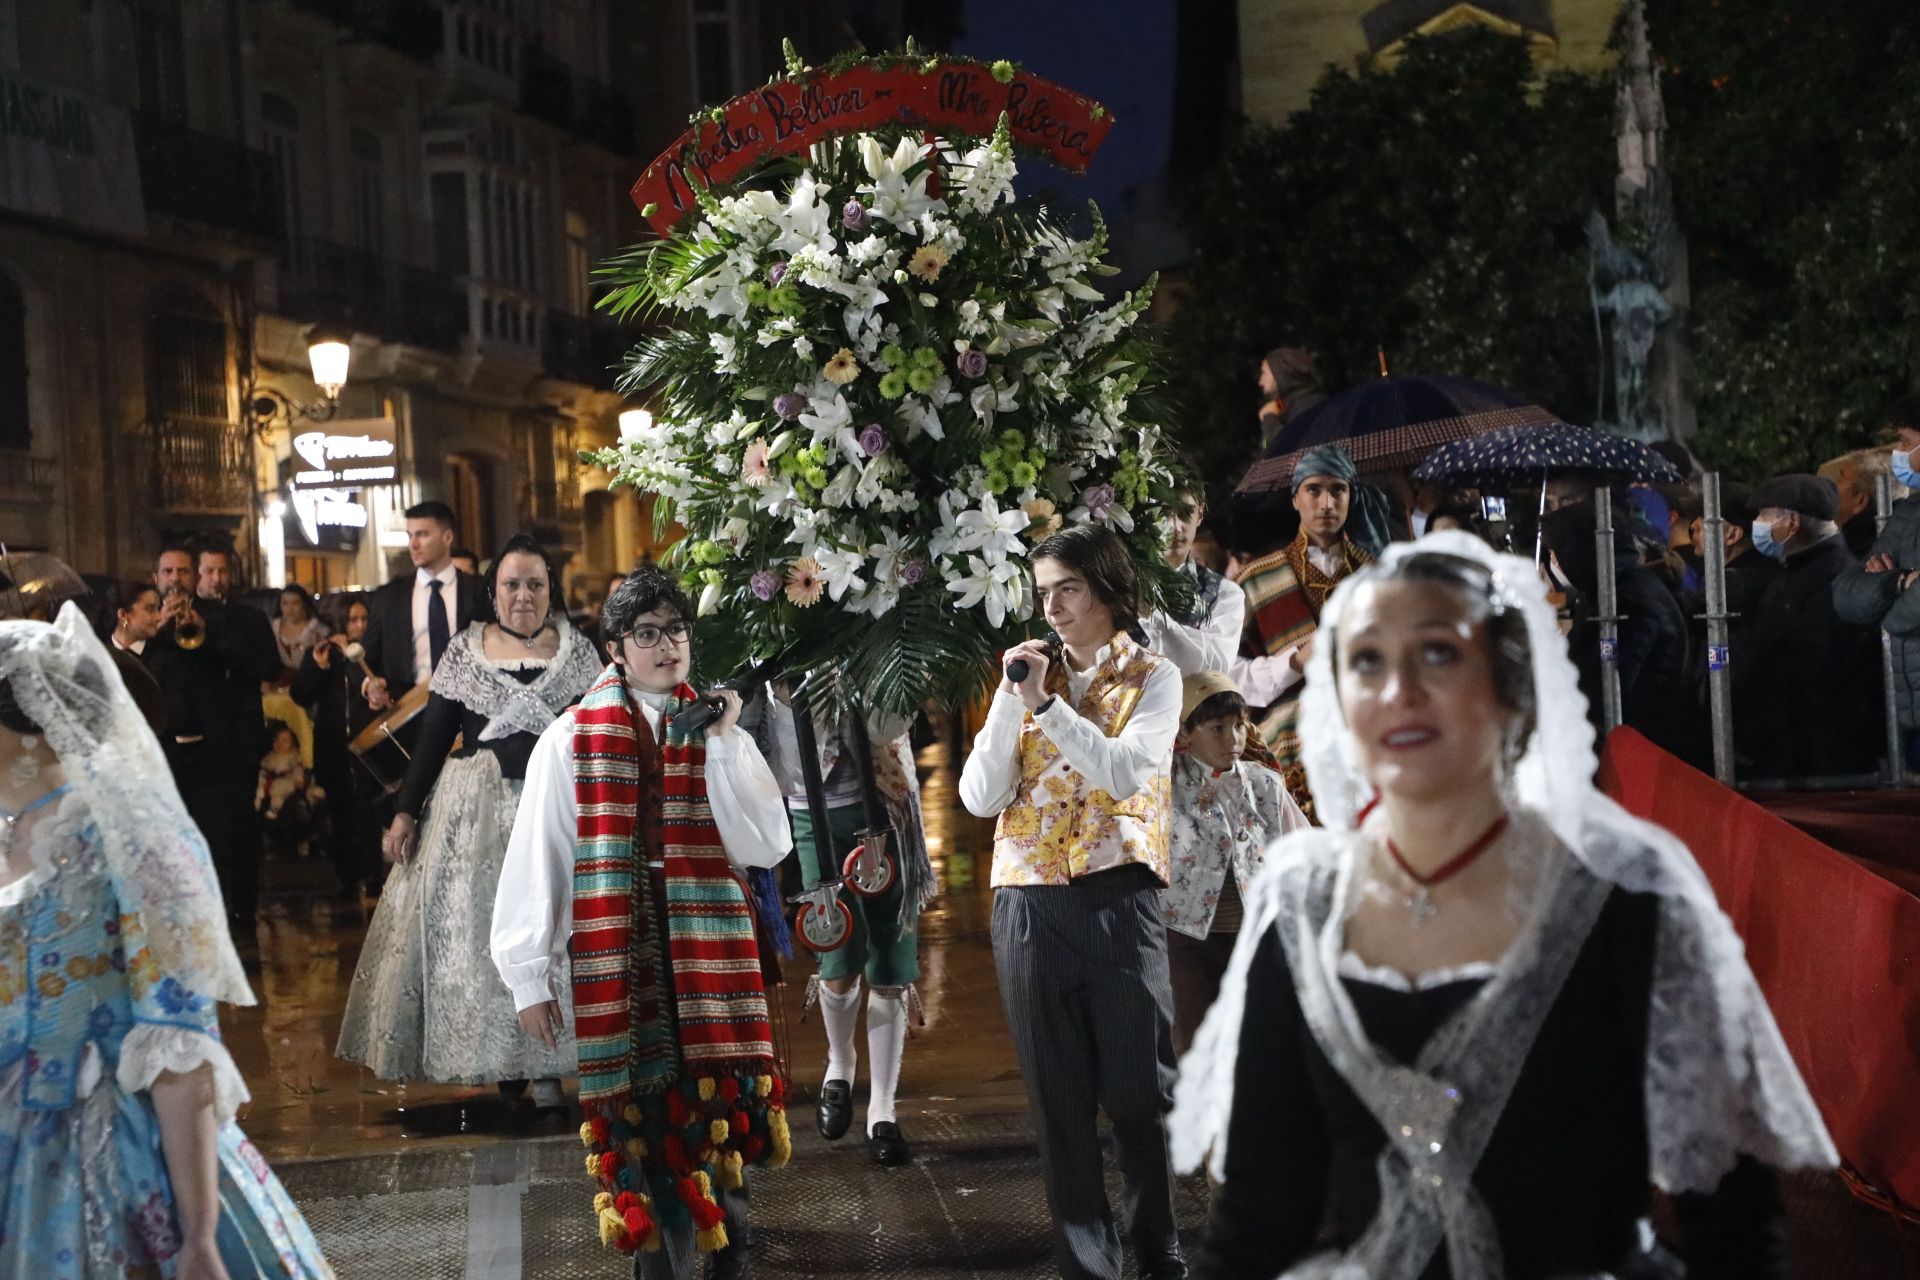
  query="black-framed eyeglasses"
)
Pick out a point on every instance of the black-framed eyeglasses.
point(648, 636)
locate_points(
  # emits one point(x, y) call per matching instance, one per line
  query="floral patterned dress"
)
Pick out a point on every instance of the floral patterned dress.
point(87, 1023)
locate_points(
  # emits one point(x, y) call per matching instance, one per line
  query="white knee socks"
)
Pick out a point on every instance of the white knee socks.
point(886, 1036)
point(840, 1011)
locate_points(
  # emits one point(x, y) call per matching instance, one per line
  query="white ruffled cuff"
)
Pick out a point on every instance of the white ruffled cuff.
point(150, 1049)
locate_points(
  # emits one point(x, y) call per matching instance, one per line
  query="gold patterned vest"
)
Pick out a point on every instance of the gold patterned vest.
point(1059, 826)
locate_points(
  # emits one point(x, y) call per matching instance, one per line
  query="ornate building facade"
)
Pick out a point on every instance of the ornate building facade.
point(191, 193)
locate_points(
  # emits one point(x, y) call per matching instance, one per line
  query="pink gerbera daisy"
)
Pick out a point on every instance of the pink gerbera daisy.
point(804, 584)
point(753, 466)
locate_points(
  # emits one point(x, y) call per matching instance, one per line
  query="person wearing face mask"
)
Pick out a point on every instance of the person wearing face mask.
point(425, 1002)
point(1482, 1012)
point(1208, 635)
point(1884, 592)
point(1806, 690)
point(626, 857)
point(1074, 764)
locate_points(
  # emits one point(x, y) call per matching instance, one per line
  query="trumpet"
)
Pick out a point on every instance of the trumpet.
point(189, 629)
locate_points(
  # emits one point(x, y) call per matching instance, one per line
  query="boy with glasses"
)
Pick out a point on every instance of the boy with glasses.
point(624, 866)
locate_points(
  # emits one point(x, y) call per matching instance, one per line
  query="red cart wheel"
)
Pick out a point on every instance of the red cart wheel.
point(869, 882)
point(823, 931)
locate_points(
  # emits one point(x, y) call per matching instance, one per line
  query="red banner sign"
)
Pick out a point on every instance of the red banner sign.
point(791, 115)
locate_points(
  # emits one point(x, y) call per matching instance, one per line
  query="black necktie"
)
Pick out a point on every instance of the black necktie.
point(438, 629)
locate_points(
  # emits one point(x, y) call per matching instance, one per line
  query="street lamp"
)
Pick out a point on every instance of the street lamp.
point(635, 423)
point(329, 354)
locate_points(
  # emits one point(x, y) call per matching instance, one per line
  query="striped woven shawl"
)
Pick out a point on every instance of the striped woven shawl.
point(642, 1022)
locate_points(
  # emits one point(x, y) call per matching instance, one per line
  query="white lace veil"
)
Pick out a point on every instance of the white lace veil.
point(1719, 1081)
point(64, 679)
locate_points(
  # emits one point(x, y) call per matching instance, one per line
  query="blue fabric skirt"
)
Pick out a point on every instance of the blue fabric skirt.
point(84, 1195)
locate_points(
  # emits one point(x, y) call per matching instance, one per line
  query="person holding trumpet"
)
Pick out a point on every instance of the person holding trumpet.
point(210, 659)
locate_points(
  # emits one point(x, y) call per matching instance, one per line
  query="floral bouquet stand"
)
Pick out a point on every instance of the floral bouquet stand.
point(878, 378)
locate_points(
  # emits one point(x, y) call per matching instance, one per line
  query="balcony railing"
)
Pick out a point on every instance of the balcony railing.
point(202, 466)
point(205, 178)
point(24, 473)
point(321, 280)
point(583, 349)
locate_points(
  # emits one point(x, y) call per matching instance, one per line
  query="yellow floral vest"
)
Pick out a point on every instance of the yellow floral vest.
point(1058, 825)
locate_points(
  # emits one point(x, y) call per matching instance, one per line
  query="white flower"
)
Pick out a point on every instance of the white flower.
point(831, 420)
point(895, 198)
point(992, 532)
point(807, 221)
point(839, 490)
point(803, 348)
point(727, 349)
point(840, 570)
point(709, 598)
point(1001, 587)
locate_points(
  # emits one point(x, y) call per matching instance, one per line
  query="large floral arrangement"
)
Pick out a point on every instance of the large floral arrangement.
point(879, 381)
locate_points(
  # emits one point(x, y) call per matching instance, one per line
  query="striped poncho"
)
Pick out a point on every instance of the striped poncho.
point(676, 1049)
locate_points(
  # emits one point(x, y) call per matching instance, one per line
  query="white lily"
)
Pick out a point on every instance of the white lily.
point(1000, 588)
point(840, 570)
point(992, 532)
point(896, 199)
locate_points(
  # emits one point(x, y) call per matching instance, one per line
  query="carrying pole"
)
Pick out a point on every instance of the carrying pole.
point(1896, 770)
point(1609, 602)
point(1719, 672)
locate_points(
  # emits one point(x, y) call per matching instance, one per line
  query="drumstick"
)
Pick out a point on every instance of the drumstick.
point(356, 652)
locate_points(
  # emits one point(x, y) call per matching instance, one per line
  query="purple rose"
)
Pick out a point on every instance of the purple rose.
point(765, 584)
point(1097, 498)
point(874, 440)
point(776, 273)
point(913, 572)
point(972, 363)
point(854, 216)
point(789, 405)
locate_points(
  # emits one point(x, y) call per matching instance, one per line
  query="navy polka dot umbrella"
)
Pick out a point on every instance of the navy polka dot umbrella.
point(1393, 422)
point(1517, 456)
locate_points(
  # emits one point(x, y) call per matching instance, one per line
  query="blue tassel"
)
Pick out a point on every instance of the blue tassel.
point(766, 901)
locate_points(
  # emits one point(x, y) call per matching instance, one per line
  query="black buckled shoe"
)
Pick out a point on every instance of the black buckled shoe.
point(729, 1263)
point(1171, 1265)
point(887, 1146)
point(833, 1113)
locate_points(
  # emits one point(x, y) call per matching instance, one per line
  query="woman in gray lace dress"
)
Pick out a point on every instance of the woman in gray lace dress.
point(426, 1002)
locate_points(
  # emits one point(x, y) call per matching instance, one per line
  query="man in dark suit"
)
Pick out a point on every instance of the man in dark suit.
point(416, 617)
point(210, 658)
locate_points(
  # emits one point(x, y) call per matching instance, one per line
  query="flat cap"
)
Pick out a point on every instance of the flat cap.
point(1813, 496)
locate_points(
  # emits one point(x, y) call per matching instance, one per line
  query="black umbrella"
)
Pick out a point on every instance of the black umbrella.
point(1516, 456)
point(1393, 422)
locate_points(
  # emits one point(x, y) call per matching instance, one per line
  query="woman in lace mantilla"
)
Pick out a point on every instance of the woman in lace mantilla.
point(119, 1157)
point(1480, 1014)
point(426, 1003)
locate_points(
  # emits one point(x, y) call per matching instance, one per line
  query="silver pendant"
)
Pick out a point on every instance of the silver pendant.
point(25, 767)
point(1420, 906)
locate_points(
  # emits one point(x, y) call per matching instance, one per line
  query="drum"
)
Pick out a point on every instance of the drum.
point(385, 747)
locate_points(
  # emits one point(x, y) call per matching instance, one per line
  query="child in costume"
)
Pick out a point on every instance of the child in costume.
point(1226, 811)
point(623, 867)
point(287, 796)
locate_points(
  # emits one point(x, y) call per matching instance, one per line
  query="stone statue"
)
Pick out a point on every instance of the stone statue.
point(1627, 287)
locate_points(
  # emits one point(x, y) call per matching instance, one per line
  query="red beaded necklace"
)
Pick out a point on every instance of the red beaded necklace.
point(1420, 901)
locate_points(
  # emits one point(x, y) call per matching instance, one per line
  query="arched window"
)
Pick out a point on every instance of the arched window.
point(16, 430)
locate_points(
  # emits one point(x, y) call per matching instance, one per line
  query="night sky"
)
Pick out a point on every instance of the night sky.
point(1120, 52)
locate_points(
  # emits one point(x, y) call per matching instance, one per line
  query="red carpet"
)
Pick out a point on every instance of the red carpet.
point(1836, 949)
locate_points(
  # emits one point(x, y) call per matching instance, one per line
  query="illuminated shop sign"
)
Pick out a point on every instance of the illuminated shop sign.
point(350, 454)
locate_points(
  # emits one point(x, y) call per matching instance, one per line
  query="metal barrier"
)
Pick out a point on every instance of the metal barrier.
point(1720, 652)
